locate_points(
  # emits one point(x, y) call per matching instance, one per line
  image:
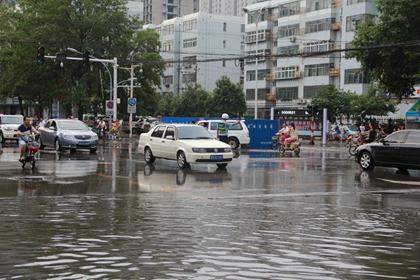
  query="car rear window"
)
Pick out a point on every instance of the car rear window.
point(158, 132)
point(235, 126)
point(413, 138)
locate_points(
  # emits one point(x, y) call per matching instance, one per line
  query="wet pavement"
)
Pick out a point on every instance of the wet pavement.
point(110, 216)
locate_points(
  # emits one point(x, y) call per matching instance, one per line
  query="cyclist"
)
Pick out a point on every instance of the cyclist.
point(24, 130)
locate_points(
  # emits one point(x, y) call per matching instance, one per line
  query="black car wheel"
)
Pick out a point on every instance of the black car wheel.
point(2, 140)
point(366, 161)
point(148, 156)
point(234, 143)
point(182, 160)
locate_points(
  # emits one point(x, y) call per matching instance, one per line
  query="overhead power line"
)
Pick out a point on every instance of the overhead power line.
point(407, 44)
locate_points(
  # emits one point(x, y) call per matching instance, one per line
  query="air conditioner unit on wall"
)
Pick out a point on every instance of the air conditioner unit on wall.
point(301, 101)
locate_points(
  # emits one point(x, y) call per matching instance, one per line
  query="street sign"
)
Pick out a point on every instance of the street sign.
point(109, 107)
point(132, 105)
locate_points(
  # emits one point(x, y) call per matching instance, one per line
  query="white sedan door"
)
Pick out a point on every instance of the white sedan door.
point(169, 142)
point(156, 141)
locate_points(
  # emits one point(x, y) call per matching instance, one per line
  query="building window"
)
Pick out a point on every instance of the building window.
point(167, 46)
point(224, 27)
point(353, 21)
point(224, 44)
point(252, 17)
point(250, 37)
point(189, 61)
point(287, 93)
point(320, 46)
point(190, 43)
point(261, 74)
point(188, 78)
point(168, 30)
point(315, 5)
point(289, 9)
point(224, 63)
point(310, 91)
point(284, 73)
point(317, 69)
point(289, 50)
point(318, 25)
point(260, 55)
point(250, 75)
point(189, 25)
point(352, 2)
point(167, 80)
point(250, 94)
point(289, 30)
point(355, 76)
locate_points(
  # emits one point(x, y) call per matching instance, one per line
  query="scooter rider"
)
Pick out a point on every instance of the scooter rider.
point(24, 130)
point(222, 129)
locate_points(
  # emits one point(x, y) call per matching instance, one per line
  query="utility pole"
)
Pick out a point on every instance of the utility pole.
point(131, 69)
point(115, 88)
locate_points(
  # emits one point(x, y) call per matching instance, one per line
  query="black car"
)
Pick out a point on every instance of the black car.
point(400, 149)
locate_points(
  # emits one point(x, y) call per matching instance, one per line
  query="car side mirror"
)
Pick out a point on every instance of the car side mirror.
point(169, 137)
point(384, 142)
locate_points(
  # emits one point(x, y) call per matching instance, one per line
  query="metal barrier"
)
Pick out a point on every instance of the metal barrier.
point(260, 131)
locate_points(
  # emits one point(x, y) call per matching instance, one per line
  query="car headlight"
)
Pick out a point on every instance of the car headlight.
point(199, 150)
point(227, 150)
point(95, 137)
point(8, 128)
point(68, 137)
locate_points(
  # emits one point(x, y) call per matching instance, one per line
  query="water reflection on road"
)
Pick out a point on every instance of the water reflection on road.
point(265, 217)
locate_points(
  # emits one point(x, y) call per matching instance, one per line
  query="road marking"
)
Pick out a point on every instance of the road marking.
point(412, 183)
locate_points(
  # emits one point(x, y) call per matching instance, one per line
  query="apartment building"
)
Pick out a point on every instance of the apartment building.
point(225, 7)
point(288, 74)
point(187, 41)
point(135, 8)
point(157, 11)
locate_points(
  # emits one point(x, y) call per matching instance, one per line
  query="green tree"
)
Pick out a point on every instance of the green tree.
point(337, 102)
point(102, 27)
point(192, 102)
point(372, 104)
point(166, 104)
point(228, 98)
point(396, 68)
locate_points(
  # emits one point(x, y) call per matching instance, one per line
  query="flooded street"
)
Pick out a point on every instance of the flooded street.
point(109, 216)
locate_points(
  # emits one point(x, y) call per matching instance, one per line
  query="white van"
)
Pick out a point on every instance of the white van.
point(238, 133)
point(9, 127)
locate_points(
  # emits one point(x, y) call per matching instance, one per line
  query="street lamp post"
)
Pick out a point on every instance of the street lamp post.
point(258, 15)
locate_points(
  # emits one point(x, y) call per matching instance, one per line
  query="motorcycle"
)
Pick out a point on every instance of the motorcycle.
point(293, 146)
point(275, 141)
point(32, 148)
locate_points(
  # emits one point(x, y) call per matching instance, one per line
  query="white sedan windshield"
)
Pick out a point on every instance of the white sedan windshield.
point(193, 132)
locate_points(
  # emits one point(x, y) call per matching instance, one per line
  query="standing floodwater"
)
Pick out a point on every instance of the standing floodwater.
point(110, 216)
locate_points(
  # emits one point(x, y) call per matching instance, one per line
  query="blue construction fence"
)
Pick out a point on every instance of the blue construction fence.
point(260, 131)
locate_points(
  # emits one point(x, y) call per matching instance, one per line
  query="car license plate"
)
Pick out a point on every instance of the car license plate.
point(216, 157)
point(84, 143)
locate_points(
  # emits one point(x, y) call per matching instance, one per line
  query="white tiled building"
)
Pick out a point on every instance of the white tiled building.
point(156, 11)
point(187, 40)
point(288, 27)
point(225, 7)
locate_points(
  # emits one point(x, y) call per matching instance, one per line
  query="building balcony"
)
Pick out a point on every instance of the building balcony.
point(335, 26)
point(334, 72)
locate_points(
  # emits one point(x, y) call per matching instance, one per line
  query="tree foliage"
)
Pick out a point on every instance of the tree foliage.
point(349, 105)
point(396, 68)
point(193, 101)
point(101, 27)
point(228, 98)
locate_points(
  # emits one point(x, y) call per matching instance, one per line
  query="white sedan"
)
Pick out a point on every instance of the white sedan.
point(184, 143)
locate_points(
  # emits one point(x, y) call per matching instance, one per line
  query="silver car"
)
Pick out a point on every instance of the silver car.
point(68, 134)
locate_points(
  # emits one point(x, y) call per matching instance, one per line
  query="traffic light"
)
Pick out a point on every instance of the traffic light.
point(86, 58)
point(60, 57)
point(313, 110)
point(40, 56)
